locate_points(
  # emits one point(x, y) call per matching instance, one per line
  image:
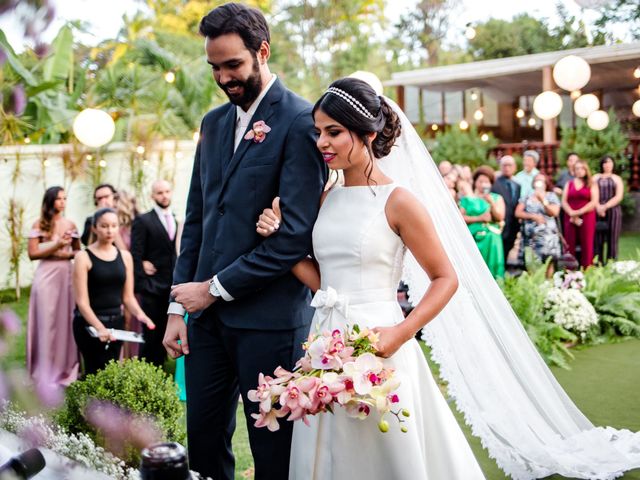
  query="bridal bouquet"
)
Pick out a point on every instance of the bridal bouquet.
point(338, 368)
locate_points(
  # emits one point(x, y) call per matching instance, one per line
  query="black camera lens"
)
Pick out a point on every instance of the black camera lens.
point(164, 461)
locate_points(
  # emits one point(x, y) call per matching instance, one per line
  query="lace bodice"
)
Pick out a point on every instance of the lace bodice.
point(353, 243)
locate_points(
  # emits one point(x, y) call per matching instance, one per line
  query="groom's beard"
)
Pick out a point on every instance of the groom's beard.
point(251, 88)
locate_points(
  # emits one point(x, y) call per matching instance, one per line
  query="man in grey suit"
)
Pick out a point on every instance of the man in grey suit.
point(247, 312)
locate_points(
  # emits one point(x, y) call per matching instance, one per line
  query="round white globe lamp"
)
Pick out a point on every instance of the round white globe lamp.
point(586, 104)
point(94, 128)
point(598, 120)
point(547, 105)
point(371, 78)
point(571, 73)
point(636, 108)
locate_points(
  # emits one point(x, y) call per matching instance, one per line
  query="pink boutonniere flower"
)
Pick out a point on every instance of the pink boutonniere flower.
point(258, 132)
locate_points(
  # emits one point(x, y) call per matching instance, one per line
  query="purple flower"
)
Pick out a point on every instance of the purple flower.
point(6, 5)
point(41, 50)
point(50, 393)
point(9, 322)
point(3, 56)
point(18, 101)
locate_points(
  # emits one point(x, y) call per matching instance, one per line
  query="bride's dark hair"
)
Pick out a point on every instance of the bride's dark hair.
point(355, 105)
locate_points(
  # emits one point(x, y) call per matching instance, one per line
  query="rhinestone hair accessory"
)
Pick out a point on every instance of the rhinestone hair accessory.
point(357, 106)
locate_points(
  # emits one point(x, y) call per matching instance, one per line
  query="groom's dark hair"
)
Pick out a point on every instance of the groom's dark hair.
point(249, 23)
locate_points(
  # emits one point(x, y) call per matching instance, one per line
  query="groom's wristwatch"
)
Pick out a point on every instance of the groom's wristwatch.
point(213, 289)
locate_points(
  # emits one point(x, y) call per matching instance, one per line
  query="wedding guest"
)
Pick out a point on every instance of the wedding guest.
point(509, 190)
point(444, 167)
point(567, 173)
point(104, 196)
point(539, 213)
point(608, 211)
point(524, 177)
point(483, 211)
point(153, 247)
point(102, 283)
point(52, 356)
point(579, 200)
point(127, 209)
point(451, 180)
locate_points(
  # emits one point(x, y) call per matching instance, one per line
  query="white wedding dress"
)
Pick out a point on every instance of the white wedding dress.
point(360, 260)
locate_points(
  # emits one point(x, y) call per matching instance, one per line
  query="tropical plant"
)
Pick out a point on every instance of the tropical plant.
point(616, 298)
point(15, 230)
point(527, 294)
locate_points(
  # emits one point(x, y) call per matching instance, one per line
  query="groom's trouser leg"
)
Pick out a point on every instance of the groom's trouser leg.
point(212, 399)
point(263, 351)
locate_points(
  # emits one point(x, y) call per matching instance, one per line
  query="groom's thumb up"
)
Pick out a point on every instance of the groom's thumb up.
point(275, 206)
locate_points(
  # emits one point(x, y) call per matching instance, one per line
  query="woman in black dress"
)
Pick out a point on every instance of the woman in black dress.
point(103, 282)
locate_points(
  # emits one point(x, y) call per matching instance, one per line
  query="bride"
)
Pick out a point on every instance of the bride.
point(394, 219)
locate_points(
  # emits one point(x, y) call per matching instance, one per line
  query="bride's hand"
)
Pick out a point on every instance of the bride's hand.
point(269, 220)
point(390, 340)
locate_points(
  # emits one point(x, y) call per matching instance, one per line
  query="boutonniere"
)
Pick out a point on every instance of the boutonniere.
point(258, 132)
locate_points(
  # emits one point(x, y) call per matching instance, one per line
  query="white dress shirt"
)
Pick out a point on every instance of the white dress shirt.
point(242, 123)
point(162, 215)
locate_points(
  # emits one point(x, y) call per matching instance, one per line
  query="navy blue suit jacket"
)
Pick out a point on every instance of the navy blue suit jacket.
point(227, 194)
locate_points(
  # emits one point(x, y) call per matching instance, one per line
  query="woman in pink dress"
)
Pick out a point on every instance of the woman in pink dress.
point(52, 355)
point(579, 200)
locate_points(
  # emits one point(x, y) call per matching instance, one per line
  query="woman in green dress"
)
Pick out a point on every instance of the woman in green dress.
point(484, 213)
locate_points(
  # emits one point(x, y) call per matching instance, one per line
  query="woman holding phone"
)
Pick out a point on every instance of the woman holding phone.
point(103, 282)
point(483, 211)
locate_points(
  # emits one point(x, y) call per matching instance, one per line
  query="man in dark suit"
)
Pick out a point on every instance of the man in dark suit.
point(510, 191)
point(247, 312)
point(153, 248)
point(104, 196)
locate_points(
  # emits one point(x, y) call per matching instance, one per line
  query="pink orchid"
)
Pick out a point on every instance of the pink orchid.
point(269, 419)
point(360, 371)
point(258, 132)
point(295, 400)
point(265, 391)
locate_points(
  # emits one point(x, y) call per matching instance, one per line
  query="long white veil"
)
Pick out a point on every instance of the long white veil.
point(498, 380)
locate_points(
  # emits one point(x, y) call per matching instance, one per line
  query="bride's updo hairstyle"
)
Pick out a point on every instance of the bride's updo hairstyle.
point(355, 105)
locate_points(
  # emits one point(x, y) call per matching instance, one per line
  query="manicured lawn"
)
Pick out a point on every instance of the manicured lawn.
point(630, 246)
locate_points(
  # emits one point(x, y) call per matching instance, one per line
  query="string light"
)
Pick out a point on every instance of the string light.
point(89, 157)
point(484, 137)
point(434, 127)
point(520, 113)
point(478, 115)
point(575, 94)
point(636, 72)
point(27, 140)
point(470, 32)
point(140, 149)
point(179, 155)
point(196, 136)
point(102, 163)
point(170, 77)
point(46, 163)
point(474, 96)
point(463, 124)
point(145, 162)
point(531, 122)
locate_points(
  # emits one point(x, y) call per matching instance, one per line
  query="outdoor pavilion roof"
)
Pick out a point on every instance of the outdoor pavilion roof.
point(507, 78)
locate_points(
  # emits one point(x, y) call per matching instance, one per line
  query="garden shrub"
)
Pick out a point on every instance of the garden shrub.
point(132, 385)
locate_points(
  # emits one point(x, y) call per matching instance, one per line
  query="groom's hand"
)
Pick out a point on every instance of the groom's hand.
point(176, 331)
point(193, 296)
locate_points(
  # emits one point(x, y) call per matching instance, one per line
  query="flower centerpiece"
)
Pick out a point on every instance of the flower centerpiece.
point(338, 368)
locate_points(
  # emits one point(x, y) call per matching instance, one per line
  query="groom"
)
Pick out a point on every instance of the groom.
point(247, 312)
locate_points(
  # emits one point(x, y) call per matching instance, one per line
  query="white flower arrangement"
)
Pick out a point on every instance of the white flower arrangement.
point(569, 279)
point(78, 448)
point(627, 268)
point(569, 308)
